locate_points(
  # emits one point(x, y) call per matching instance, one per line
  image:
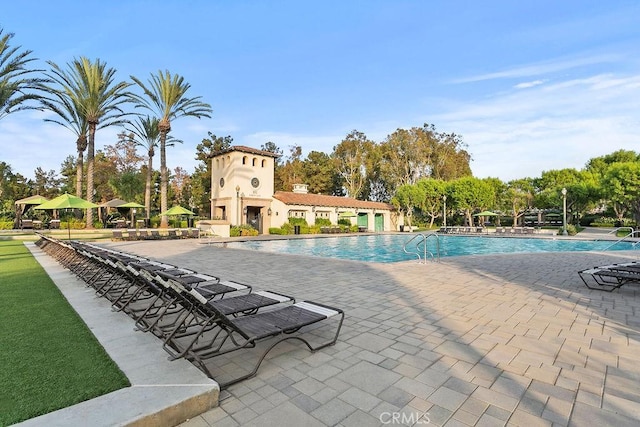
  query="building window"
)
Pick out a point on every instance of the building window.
point(297, 214)
point(253, 162)
point(264, 162)
point(322, 214)
point(244, 160)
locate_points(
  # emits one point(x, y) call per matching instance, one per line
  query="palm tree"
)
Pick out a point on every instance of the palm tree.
point(90, 87)
point(70, 117)
point(165, 96)
point(147, 134)
point(14, 82)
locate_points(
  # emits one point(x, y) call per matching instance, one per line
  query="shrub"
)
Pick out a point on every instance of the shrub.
point(314, 229)
point(298, 221)
point(242, 230)
point(323, 222)
point(276, 230)
point(571, 230)
point(6, 225)
point(344, 221)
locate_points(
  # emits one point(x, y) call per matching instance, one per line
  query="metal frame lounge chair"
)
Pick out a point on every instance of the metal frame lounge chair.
point(221, 334)
point(610, 277)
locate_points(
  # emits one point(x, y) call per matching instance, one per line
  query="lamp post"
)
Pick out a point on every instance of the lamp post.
point(444, 210)
point(564, 212)
point(237, 205)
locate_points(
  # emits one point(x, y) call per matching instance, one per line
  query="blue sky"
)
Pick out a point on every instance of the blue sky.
point(530, 85)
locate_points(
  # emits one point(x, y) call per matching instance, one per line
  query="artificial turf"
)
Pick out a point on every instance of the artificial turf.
point(48, 357)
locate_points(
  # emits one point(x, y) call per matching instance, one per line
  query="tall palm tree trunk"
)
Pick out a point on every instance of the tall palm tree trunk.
point(164, 176)
point(81, 144)
point(79, 171)
point(90, 164)
point(147, 189)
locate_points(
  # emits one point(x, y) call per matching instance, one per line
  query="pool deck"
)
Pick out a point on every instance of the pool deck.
point(471, 341)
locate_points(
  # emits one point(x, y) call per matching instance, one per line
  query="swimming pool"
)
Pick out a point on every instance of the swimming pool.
point(388, 247)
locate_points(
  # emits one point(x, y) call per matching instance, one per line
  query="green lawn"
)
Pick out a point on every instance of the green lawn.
point(48, 357)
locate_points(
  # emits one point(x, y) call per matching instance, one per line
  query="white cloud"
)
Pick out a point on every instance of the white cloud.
point(539, 68)
point(527, 85)
point(522, 133)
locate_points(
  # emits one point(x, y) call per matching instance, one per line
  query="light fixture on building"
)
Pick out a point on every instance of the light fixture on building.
point(269, 211)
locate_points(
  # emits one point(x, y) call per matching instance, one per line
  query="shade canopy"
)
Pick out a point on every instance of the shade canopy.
point(115, 203)
point(131, 205)
point(67, 201)
point(32, 200)
point(178, 210)
point(486, 213)
point(346, 214)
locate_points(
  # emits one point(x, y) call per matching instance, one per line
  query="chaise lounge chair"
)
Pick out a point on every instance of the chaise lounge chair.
point(221, 334)
point(610, 277)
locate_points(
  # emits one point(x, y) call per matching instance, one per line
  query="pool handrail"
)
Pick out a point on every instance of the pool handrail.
point(625, 237)
point(423, 239)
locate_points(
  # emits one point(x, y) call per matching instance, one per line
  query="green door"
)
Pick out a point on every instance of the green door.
point(363, 220)
point(379, 222)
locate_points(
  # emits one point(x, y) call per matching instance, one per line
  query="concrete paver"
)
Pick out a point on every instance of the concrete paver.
point(483, 340)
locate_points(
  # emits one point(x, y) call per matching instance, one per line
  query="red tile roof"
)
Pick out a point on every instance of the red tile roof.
point(307, 199)
point(244, 149)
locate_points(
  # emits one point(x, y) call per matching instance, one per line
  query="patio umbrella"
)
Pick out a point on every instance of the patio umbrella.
point(486, 213)
point(67, 201)
point(177, 211)
point(132, 206)
point(27, 201)
point(114, 203)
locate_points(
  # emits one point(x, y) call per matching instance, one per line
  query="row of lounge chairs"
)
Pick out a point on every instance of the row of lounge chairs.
point(199, 317)
point(461, 230)
point(514, 230)
point(154, 234)
point(610, 277)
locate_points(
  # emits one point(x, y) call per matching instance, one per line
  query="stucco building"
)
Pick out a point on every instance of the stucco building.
point(242, 192)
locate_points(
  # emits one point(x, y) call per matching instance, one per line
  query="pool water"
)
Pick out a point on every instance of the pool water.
point(389, 247)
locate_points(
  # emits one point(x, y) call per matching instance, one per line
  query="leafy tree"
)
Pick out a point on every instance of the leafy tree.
point(211, 145)
point(407, 197)
point(46, 183)
point(469, 194)
point(90, 87)
point(123, 153)
point(377, 186)
point(181, 187)
point(449, 158)
point(432, 204)
point(271, 147)
point(622, 188)
point(68, 172)
point(127, 182)
point(599, 165)
point(13, 186)
point(350, 156)
point(165, 95)
point(320, 173)
point(15, 80)
point(518, 196)
point(292, 171)
point(104, 172)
